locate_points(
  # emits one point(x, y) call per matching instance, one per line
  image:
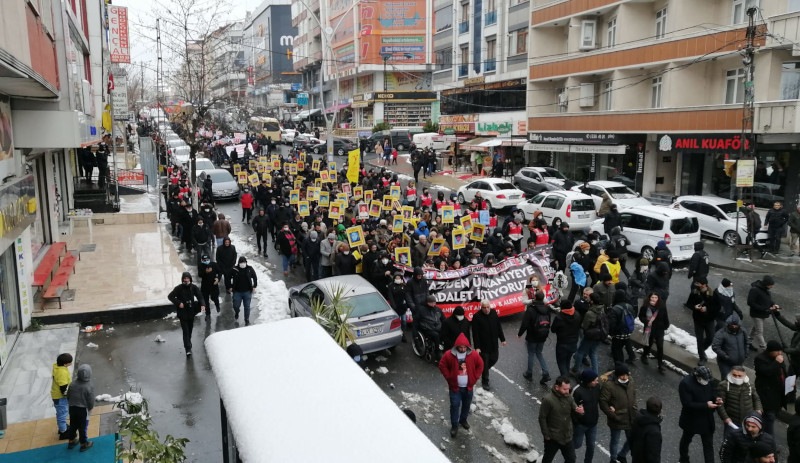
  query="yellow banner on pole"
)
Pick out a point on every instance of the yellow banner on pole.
point(353, 164)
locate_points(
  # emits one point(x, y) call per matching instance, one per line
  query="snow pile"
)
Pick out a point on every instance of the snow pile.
point(381, 358)
point(533, 456)
point(171, 316)
point(686, 341)
point(510, 434)
point(159, 339)
point(496, 453)
point(134, 398)
point(271, 297)
point(485, 403)
point(382, 370)
point(675, 368)
point(92, 345)
point(106, 398)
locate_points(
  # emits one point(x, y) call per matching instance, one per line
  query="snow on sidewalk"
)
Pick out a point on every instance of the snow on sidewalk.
point(271, 297)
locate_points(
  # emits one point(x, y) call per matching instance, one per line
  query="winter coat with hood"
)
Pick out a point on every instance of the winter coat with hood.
point(646, 438)
point(696, 417)
point(623, 398)
point(703, 298)
point(658, 280)
point(187, 295)
point(429, 318)
point(736, 445)
point(725, 300)
point(81, 391)
point(449, 365)
point(730, 347)
point(242, 280)
point(452, 328)
point(566, 327)
point(738, 401)
point(226, 256)
point(487, 332)
point(417, 289)
point(530, 321)
point(770, 376)
point(759, 300)
point(698, 264)
point(555, 417)
point(616, 316)
point(200, 233)
point(563, 242)
point(793, 350)
point(210, 275)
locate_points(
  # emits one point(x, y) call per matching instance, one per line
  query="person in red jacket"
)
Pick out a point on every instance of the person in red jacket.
point(247, 205)
point(461, 367)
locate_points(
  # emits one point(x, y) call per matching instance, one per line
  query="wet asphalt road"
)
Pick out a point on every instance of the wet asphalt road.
point(184, 400)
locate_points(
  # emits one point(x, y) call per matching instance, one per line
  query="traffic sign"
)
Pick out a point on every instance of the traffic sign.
point(302, 99)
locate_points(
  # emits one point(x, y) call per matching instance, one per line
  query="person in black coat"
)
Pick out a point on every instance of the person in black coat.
point(188, 219)
point(725, 302)
point(536, 328)
point(417, 289)
point(201, 238)
point(399, 299)
point(262, 226)
point(226, 257)
point(567, 327)
point(793, 434)
point(210, 276)
point(699, 401)
point(242, 281)
point(188, 302)
point(311, 254)
point(655, 317)
point(770, 367)
point(658, 281)
point(454, 325)
point(611, 220)
point(563, 242)
point(760, 302)
point(646, 433)
point(345, 261)
point(584, 426)
point(698, 264)
point(380, 272)
point(486, 332)
point(704, 316)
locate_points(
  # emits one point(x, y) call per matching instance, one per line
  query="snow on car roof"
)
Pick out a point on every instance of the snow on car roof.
point(292, 394)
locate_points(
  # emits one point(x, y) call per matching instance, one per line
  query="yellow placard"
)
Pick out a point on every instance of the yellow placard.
point(448, 214)
point(375, 208)
point(478, 232)
point(335, 211)
point(466, 222)
point(324, 198)
point(355, 235)
point(332, 165)
point(332, 176)
point(397, 224)
point(408, 213)
point(298, 184)
point(387, 203)
point(263, 159)
point(368, 195)
point(342, 198)
point(324, 176)
point(346, 188)
point(294, 196)
point(315, 165)
point(292, 168)
point(252, 164)
point(301, 165)
point(460, 238)
point(241, 177)
point(394, 192)
point(266, 177)
point(358, 192)
point(302, 208)
point(276, 164)
point(318, 183)
point(236, 169)
point(436, 247)
point(274, 158)
point(253, 178)
point(402, 256)
point(303, 157)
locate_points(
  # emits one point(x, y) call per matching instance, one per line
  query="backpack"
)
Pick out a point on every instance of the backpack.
point(541, 326)
point(628, 322)
point(599, 330)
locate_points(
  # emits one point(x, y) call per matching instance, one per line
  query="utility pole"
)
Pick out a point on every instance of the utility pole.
point(747, 149)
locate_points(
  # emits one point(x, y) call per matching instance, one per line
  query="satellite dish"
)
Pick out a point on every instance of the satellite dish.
point(329, 30)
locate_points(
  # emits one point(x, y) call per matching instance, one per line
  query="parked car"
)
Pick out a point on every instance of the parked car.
point(175, 142)
point(203, 164)
point(534, 180)
point(398, 138)
point(572, 207)
point(645, 226)
point(763, 194)
point(717, 217)
point(341, 147)
point(304, 141)
point(223, 186)
point(497, 192)
point(287, 136)
point(375, 325)
point(621, 195)
point(180, 155)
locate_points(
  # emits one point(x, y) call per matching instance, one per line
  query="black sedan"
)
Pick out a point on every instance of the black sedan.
point(341, 147)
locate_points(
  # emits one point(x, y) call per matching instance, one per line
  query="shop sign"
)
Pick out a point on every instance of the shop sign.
point(381, 96)
point(702, 142)
point(745, 173)
point(555, 148)
point(457, 127)
point(578, 138)
point(477, 84)
point(492, 128)
point(450, 118)
point(474, 81)
point(591, 149)
point(17, 209)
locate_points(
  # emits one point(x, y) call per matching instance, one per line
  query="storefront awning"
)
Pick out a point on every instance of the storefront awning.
point(583, 149)
point(303, 115)
point(64, 129)
point(492, 142)
point(337, 108)
point(475, 144)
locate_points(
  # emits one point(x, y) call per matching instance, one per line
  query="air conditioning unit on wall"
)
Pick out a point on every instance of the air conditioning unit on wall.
point(588, 34)
point(587, 95)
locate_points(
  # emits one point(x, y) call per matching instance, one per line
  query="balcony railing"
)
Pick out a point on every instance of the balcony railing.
point(777, 117)
point(463, 70)
point(463, 27)
point(490, 65)
point(491, 17)
point(784, 31)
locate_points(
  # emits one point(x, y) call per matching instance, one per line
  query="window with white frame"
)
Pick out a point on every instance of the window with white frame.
point(790, 80)
point(740, 8)
point(656, 89)
point(661, 23)
point(734, 86)
point(607, 96)
point(490, 63)
point(611, 32)
point(794, 5)
point(588, 32)
point(444, 59)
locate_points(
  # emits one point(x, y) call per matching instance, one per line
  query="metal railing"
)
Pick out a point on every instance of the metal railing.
point(491, 18)
point(463, 27)
point(489, 65)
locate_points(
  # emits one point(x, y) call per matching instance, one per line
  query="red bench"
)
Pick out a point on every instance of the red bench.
point(52, 274)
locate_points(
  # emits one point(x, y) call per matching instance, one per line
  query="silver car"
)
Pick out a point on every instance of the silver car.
point(375, 325)
point(223, 186)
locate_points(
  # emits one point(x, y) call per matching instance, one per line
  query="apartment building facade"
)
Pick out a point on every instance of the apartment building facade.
point(650, 93)
point(269, 37)
point(373, 57)
point(225, 49)
point(481, 55)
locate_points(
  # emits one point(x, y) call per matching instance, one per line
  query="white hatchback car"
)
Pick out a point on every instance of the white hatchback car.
point(645, 226)
point(576, 209)
point(717, 217)
point(497, 192)
point(621, 195)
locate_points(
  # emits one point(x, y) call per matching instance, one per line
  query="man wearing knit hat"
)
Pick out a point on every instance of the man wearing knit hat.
point(586, 393)
point(699, 401)
point(770, 367)
point(762, 453)
point(618, 403)
point(737, 445)
point(760, 302)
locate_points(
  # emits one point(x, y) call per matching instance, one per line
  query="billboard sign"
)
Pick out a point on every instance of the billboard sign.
point(118, 42)
point(119, 99)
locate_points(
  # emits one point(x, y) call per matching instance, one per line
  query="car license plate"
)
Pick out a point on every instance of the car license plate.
point(686, 248)
point(583, 216)
point(369, 331)
point(514, 196)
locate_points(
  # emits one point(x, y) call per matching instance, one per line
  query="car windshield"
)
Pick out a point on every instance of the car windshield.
point(684, 225)
point(504, 186)
point(366, 304)
point(203, 164)
point(549, 172)
point(620, 192)
point(582, 205)
point(220, 176)
point(729, 209)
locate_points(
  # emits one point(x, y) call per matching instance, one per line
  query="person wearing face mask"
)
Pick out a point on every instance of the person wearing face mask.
point(272, 215)
point(201, 236)
point(210, 277)
point(739, 398)
point(578, 273)
point(770, 366)
point(381, 272)
point(618, 403)
point(725, 300)
point(487, 334)
point(638, 281)
point(345, 261)
point(400, 300)
point(736, 446)
point(261, 226)
point(242, 281)
point(188, 302)
point(453, 326)
point(730, 345)
point(461, 367)
point(311, 256)
point(288, 248)
point(699, 401)
point(326, 252)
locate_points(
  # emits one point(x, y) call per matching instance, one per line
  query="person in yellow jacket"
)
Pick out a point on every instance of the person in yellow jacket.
point(58, 391)
point(612, 266)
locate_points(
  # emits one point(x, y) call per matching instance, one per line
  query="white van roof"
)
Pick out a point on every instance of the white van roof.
point(298, 396)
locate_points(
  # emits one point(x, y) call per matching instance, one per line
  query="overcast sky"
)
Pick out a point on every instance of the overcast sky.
point(141, 11)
